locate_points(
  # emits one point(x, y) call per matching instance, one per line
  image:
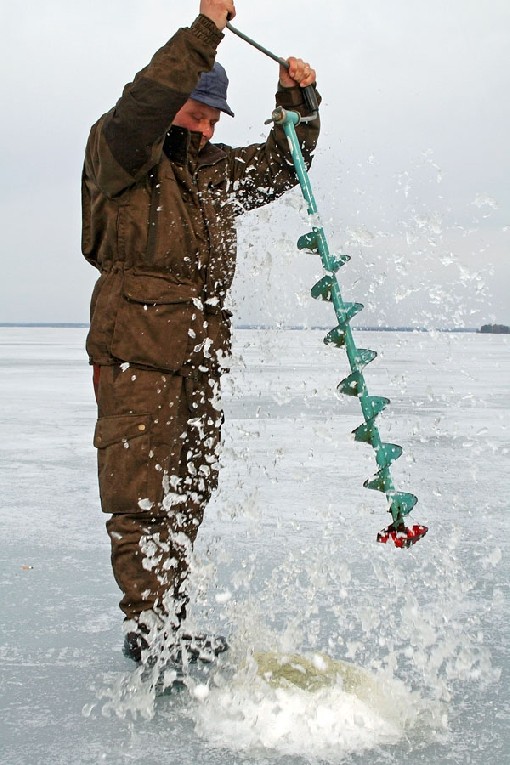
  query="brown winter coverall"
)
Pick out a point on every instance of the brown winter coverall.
point(159, 224)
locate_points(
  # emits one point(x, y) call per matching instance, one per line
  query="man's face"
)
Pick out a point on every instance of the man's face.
point(198, 117)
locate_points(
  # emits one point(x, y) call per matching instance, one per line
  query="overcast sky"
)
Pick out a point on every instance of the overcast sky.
point(411, 176)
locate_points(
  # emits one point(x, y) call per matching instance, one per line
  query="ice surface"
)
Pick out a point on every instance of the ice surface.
point(286, 560)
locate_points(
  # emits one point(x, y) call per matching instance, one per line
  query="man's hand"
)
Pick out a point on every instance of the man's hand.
point(219, 11)
point(299, 73)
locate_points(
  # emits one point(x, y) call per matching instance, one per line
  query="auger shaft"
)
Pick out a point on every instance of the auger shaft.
point(328, 288)
point(308, 92)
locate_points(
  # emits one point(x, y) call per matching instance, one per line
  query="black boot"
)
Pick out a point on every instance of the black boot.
point(134, 644)
point(200, 647)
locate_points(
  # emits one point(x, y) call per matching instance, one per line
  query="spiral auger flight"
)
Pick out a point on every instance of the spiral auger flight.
point(400, 503)
point(327, 288)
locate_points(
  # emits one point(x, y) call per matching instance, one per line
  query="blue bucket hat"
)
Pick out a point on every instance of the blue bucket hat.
point(212, 89)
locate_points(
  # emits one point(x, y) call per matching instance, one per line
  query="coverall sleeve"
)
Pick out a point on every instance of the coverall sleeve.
point(127, 142)
point(262, 172)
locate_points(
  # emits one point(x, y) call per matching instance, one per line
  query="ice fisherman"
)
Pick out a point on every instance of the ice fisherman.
point(160, 203)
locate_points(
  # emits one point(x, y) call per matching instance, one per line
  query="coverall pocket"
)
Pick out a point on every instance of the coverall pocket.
point(123, 444)
point(154, 323)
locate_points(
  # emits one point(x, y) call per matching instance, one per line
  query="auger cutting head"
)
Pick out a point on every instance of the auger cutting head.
point(402, 536)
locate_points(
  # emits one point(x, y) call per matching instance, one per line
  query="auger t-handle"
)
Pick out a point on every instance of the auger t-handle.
point(309, 93)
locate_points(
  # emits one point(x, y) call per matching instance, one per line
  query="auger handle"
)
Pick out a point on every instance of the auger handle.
point(309, 92)
point(310, 96)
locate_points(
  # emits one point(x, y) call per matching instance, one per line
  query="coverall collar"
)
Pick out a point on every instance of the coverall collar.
point(182, 145)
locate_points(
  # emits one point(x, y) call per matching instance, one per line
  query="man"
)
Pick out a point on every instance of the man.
point(159, 209)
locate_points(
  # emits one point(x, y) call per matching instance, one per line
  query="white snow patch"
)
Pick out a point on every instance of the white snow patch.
point(223, 597)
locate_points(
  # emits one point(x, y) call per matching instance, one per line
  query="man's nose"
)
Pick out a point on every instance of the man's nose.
point(208, 131)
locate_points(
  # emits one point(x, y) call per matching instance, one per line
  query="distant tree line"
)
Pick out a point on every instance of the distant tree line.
point(495, 329)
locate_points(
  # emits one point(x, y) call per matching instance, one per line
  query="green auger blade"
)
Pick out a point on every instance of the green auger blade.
point(348, 311)
point(337, 261)
point(364, 433)
point(352, 385)
point(323, 289)
point(315, 242)
point(374, 405)
point(386, 453)
point(308, 242)
point(379, 482)
point(364, 356)
point(401, 503)
point(335, 337)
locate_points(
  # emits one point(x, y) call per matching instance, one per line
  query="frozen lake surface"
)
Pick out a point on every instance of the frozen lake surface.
point(286, 560)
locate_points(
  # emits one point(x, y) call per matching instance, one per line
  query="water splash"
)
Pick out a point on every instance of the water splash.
point(422, 643)
point(249, 715)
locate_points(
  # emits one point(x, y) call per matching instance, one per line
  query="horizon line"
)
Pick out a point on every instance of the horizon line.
point(404, 328)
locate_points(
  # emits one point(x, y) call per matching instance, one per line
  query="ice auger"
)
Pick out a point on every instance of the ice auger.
point(327, 288)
